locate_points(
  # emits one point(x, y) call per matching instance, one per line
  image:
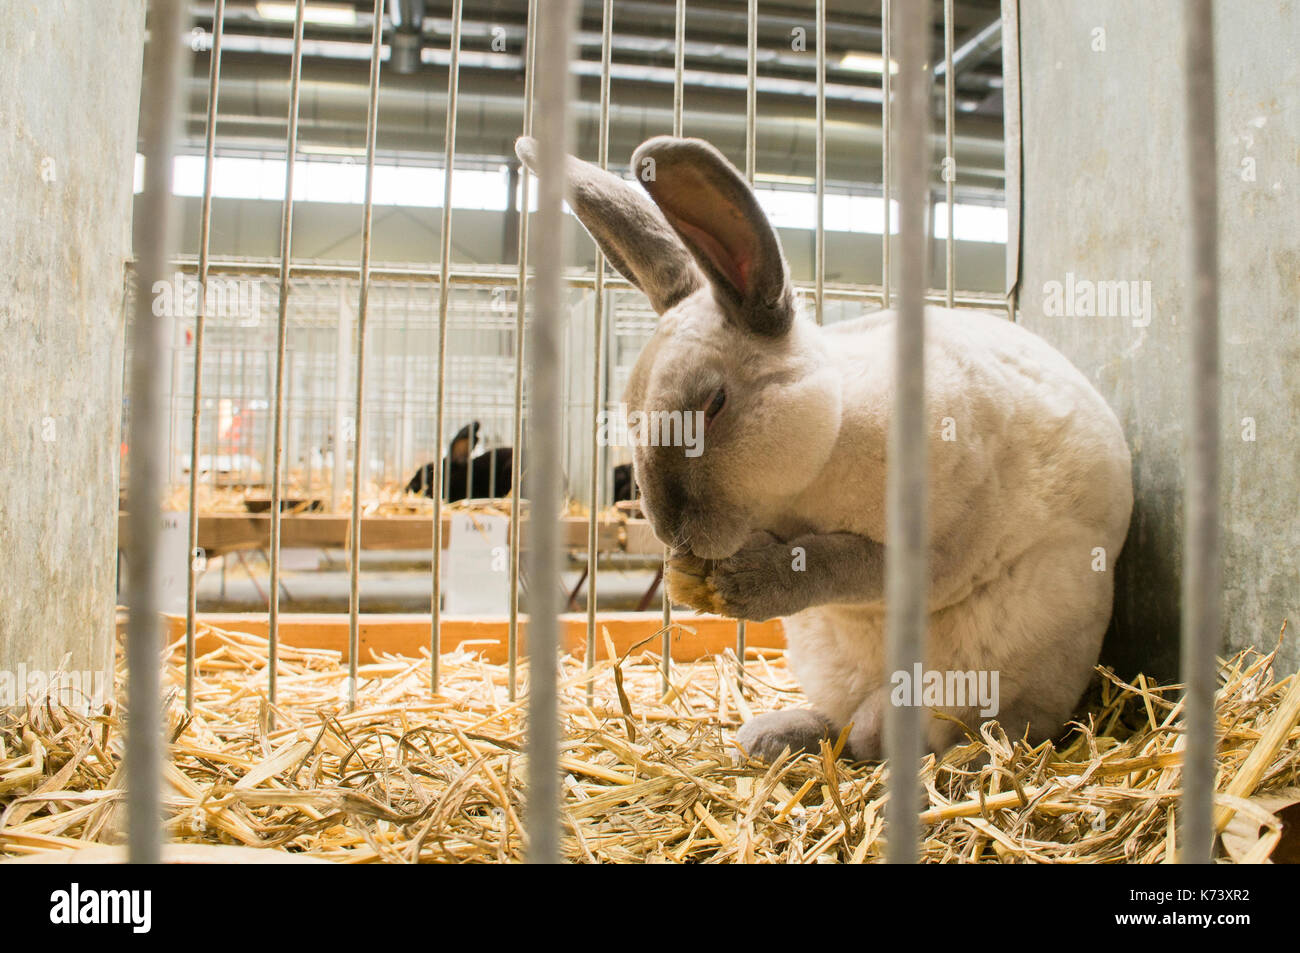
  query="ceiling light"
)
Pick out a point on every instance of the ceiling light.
point(866, 63)
point(334, 14)
point(777, 179)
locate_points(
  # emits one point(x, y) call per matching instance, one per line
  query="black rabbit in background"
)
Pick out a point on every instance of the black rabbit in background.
point(624, 483)
point(488, 474)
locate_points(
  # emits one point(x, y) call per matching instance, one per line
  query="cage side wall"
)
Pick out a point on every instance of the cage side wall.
point(1108, 202)
point(69, 96)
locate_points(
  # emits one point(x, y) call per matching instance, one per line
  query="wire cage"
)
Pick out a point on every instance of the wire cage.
point(326, 381)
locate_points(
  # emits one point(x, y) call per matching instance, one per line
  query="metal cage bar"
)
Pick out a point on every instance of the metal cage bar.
point(679, 62)
point(598, 352)
point(1202, 576)
point(196, 412)
point(819, 252)
point(950, 158)
point(363, 309)
point(886, 136)
point(444, 299)
point(751, 89)
point(149, 341)
point(555, 40)
point(282, 336)
point(751, 155)
point(521, 310)
point(906, 562)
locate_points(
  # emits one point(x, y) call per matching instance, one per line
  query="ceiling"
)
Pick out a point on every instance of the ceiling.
point(253, 99)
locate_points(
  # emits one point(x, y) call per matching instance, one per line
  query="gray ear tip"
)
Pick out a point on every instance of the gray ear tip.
point(656, 145)
point(674, 149)
point(526, 150)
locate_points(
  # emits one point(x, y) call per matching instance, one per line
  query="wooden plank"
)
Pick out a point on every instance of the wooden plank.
point(694, 636)
point(226, 532)
point(640, 538)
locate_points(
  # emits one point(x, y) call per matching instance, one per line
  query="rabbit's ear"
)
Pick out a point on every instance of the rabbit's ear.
point(717, 215)
point(629, 229)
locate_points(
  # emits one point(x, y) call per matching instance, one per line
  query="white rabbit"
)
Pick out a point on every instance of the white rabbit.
point(783, 513)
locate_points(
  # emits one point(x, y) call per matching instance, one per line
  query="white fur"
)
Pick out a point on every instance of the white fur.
point(1035, 484)
point(1037, 478)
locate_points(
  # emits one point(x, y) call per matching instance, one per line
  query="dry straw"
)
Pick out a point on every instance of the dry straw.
point(407, 777)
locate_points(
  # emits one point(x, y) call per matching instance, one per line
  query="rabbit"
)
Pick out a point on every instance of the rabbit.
point(487, 475)
point(783, 514)
point(624, 485)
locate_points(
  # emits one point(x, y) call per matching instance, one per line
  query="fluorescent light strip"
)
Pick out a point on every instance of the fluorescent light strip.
point(867, 63)
point(330, 14)
point(332, 181)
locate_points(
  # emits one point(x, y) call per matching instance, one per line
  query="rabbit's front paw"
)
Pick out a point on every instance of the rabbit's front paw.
point(756, 583)
point(767, 735)
point(686, 577)
point(753, 584)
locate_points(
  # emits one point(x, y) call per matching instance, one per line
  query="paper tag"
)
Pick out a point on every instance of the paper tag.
point(476, 565)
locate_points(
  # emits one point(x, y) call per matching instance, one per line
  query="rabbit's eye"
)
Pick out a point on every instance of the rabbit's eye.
point(715, 405)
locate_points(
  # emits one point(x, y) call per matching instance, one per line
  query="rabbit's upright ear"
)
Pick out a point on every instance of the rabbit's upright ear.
point(717, 215)
point(630, 230)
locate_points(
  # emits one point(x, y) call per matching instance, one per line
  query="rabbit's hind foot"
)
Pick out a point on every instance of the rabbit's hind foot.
point(765, 736)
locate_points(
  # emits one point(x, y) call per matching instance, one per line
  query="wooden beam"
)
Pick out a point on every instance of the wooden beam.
point(407, 634)
point(226, 532)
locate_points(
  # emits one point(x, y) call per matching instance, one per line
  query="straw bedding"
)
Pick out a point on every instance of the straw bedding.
point(646, 778)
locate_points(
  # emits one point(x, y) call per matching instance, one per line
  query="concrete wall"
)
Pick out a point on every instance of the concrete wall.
point(69, 98)
point(1105, 199)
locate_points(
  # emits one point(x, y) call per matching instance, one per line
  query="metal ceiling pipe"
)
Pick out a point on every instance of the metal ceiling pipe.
point(974, 49)
point(253, 100)
point(408, 36)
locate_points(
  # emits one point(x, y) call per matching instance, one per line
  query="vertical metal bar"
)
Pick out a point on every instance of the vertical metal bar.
point(468, 391)
point(173, 408)
point(309, 418)
point(906, 562)
point(950, 165)
point(492, 457)
point(819, 264)
point(521, 310)
point(751, 160)
point(555, 41)
point(149, 341)
point(282, 335)
point(598, 345)
point(404, 422)
point(363, 305)
point(444, 300)
point(196, 409)
point(679, 63)
point(1202, 578)
point(340, 404)
point(886, 130)
point(751, 91)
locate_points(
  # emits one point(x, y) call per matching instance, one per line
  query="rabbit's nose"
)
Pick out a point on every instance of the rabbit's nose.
point(670, 508)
